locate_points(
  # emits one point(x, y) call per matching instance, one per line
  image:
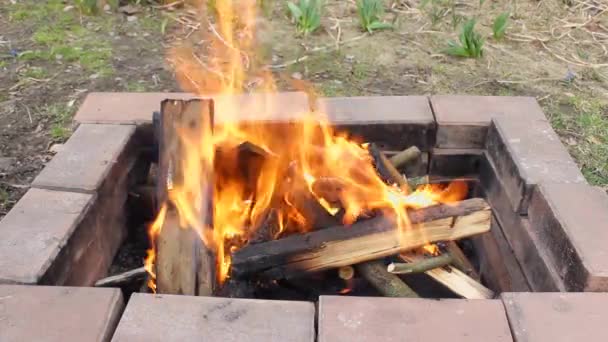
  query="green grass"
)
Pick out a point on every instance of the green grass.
point(35, 72)
point(60, 36)
point(61, 117)
point(135, 87)
point(470, 43)
point(3, 197)
point(307, 15)
point(370, 14)
point(499, 27)
point(584, 124)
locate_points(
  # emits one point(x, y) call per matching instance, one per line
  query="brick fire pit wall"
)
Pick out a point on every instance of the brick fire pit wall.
point(66, 230)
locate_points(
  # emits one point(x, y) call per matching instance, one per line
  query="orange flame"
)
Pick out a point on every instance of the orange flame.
point(153, 233)
point(304, 153)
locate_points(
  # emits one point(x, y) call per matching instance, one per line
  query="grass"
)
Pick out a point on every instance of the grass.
point(59, 37)
point(583, 124)
point(370, 13)
point(307, 15)
point(500, 25)
point(470, 42)
point(61, 117)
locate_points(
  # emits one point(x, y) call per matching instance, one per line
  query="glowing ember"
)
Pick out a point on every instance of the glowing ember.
point(306, 154)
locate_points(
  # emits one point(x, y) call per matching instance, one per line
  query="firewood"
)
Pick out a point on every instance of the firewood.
point(125, 278)
point(306, 203)
point(405, 157)
point(429, 179)
point(184, 264)
point(455, 280)
point(386, 170)
point(346, 272)
point(460, 260)
point(180, 266)
point(420, 266)
point(263, 231)
point(363, 241)
point(388, 284)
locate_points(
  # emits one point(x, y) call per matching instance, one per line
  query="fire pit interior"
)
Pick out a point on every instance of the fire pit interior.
point(300, 208)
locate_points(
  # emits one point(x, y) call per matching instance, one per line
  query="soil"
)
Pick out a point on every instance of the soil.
point(52, 54)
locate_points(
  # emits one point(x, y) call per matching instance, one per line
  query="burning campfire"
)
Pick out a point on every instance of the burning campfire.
point(250, 205)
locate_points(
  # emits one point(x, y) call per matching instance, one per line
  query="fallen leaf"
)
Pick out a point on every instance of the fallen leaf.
point(594, 140)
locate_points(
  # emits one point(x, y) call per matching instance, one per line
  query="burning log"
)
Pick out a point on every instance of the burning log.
point(455, 280)
point(388, 171)
point(363, 241)
point(420, 266)
point(184, 264)
point(386, 283)
point(264, 231)
point(122, 279)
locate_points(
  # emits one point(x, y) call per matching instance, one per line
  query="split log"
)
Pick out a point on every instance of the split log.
point(455, 280)
point(420, 266)
point(363, 241)
point(122, 279)
point(405, 157)
point(184, 264)
point(388, 284)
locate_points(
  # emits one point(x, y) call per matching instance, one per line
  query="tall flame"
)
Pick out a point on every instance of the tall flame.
point(306, 158)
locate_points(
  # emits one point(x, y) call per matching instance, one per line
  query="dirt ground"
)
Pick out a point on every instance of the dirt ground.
point(52, 54)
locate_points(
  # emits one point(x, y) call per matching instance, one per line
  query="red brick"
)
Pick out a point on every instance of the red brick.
point(526, 152)
point(370, 319)
point(130, 108)
point(537, 265)
point(573, 219)
point(454, 162)
point(36, 230)
point(87, 158)
point(48, 313)
point(498, 265)
point(122, 108)
point(185, 318)
point(463, 121)
point(397, 122)
point(557, 317)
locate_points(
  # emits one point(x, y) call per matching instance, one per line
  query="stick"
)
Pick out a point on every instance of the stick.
point(460, 261)
point(121, 279)
point(362, 241)
point(420, 266)
point(405, 157)
point(386, 170)
point(422, 180)
point(386, 283)
point(346, 272)
point(454, 279)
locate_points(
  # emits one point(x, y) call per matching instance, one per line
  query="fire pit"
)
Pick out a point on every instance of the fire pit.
point(295, 207)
